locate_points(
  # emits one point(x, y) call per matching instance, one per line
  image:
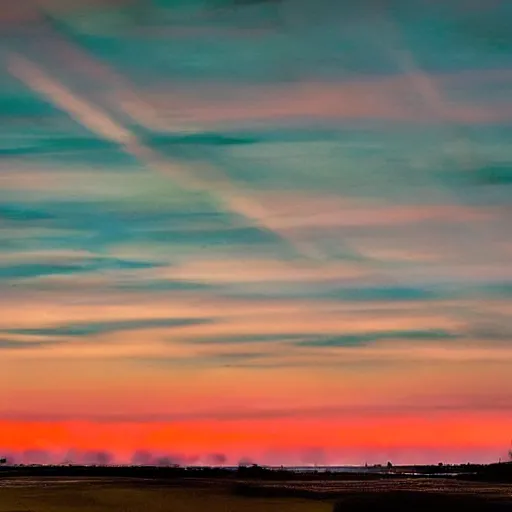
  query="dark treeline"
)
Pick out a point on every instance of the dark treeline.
point(492, 472)
point(158, 472)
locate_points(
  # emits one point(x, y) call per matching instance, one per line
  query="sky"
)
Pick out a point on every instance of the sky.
point(267, 231)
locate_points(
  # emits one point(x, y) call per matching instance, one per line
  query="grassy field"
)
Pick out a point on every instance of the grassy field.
point(101, 496)
point(138, 495)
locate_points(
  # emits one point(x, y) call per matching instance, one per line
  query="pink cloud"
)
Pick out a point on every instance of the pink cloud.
point(392, 98)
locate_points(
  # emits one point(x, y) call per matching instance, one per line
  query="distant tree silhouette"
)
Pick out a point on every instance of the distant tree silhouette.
point(244, 462)
point(3, 461)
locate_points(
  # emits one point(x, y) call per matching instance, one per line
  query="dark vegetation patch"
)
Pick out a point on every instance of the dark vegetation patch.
point(417, 501)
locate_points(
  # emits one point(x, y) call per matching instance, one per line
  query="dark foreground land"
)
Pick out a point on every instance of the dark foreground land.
point(238, 494)
point(122, 495)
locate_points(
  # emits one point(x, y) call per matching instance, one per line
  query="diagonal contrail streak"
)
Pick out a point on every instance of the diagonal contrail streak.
point(126, 100)
point(101, 123)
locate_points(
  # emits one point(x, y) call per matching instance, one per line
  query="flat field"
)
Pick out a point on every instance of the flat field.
point(184, 495)
point(102, 495)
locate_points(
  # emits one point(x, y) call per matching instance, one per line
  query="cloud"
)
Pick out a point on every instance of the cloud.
point(94, 118)
point(96, 226)
point(148, 458)
point(168, 460)
point(314, 455)
point(258, 270)
point(8, 344)
point(365, 339)
point(35, 456)
point(92, 329)
point(308, 210)
point(383, 293)
point(33, 270)
point(375, 98)
point(247, 339)
point(142, 458)
point(221, 331)
point(339, 292)
point(86, 457)
point(347, 455)
point(217, 459)
point(78, 456)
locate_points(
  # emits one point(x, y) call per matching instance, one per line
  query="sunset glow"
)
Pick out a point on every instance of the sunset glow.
point(276, 232)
